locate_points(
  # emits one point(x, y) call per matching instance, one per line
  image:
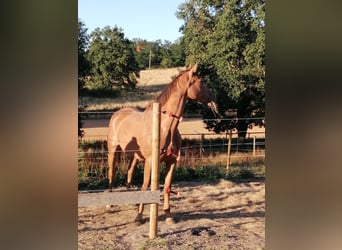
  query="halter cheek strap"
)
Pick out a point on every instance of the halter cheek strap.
point(179, 118)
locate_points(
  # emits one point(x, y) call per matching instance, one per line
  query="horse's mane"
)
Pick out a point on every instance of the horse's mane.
point(165, 94)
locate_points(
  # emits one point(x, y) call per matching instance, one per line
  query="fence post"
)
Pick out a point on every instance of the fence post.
point(155, 168)
point(201, 147)
point(228, 150)
point(254, 145)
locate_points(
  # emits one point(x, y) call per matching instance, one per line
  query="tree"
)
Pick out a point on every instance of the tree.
point(227, 37)
point(142, 52)
point(177, 52)
point(83, 63)
point(163, 54)
point(113, 62)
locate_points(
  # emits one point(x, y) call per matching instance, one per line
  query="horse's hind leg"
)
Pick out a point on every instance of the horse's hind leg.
point(146, 182)
point(133, 164)
point(113, 157)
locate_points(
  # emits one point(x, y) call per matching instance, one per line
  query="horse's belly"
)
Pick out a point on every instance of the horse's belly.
point(128, 130)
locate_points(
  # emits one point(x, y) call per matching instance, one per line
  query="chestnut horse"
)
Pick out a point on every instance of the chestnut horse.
point(172, 158)
point(130, 131)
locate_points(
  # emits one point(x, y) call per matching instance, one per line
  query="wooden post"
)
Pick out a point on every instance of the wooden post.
point(201, 147)
point(254, 145)
point(149, 60)
point(237, 143)
point(155, 168)
point(228, 150)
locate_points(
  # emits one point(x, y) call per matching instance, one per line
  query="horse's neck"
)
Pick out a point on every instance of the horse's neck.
point(175, 104)
point(172, 111)
point(170, 120)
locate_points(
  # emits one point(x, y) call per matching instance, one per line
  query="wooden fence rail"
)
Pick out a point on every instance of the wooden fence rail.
point(103, 198)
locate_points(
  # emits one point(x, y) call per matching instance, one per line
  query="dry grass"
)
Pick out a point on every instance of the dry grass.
point(96, 104)
point(150, 84)
point(158, 76)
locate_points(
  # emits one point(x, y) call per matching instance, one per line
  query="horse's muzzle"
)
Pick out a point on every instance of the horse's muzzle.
point(212, 105)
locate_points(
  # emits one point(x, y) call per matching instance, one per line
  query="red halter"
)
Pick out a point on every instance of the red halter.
point(179, 118)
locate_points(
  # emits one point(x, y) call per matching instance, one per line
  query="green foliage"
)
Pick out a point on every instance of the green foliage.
point(227, 37)
point(159, 54)
point(113, 62)
point(109, 63)
point(83, 63)
point(177, 52)
point(80, 125)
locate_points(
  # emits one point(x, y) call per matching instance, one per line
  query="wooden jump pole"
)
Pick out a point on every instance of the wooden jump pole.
point(155, 168)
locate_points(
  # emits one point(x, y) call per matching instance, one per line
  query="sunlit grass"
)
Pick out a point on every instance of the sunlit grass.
point(150, 84)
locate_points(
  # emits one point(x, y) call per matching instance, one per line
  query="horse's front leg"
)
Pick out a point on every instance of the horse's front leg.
point(170, 166)
point(146, 182)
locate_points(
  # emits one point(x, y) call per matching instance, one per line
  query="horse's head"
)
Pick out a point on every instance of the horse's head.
point(198, 90)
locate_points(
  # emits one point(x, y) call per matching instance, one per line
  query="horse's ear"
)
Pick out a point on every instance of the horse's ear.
point(188, 67)
point(193, 70)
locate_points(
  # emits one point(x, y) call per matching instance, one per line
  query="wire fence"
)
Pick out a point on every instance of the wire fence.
point(197, 149)
point(198, 159)
point(108, 114)
point(249, 135)
point(201, 150)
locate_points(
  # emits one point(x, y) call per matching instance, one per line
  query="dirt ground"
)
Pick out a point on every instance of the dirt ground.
point(220, 215)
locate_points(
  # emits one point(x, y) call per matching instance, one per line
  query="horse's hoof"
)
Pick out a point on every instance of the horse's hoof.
point(170, 220)
point(139, 220)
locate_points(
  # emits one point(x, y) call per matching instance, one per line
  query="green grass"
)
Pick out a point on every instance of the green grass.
point(157, 243)
point(211, 173)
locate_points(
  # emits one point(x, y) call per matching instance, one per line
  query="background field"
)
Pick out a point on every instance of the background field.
point(150, 84)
